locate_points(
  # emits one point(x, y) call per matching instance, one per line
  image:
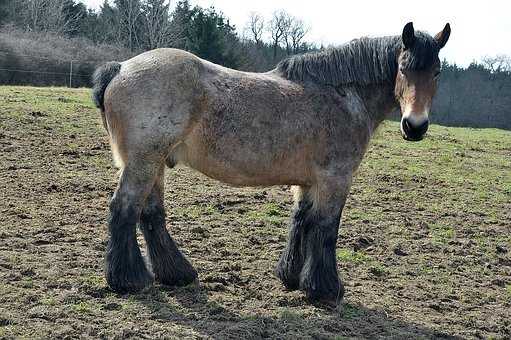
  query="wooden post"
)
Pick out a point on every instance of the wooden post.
point(71, 75)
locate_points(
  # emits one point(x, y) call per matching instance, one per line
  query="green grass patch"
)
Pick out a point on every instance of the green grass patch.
point(350, 256)
point(48, 301)
point(84, 307)
point(350, 311)
point(269, 213)
point(290, 317)
point(441, 234)
point(93, 280)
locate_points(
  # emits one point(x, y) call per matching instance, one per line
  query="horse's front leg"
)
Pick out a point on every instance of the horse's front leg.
point(309, 260)
point(291, 261)
point(319, 278)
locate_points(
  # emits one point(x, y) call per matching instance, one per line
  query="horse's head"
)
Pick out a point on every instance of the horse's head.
point(417, 78)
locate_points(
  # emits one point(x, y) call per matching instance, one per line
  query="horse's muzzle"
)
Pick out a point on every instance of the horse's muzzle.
point(413, 132)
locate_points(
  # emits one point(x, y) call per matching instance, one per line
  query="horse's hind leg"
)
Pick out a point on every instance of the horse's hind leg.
point(125, 267)
point(169, 265)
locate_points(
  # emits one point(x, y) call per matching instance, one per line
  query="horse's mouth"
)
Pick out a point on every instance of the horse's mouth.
point(413, 138)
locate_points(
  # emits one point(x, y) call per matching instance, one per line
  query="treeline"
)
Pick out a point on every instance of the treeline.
point(58, 30)
point(61, 42)
point(476, 96)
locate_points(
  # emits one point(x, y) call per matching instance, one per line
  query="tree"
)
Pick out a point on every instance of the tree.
point(208, 34)
point(255, 26)
point(279, 26)
point(297, 31)
point(108, 30)
point(158, 28)
point(499, 63)
point(130, 15)
point(58, 16)
point(6, 10)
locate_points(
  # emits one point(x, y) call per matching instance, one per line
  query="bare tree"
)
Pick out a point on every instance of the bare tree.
point(297, 32)
point(255, 26)
point(499, 63)
point(278, 28)
point(159, 29)
point(50, 15)
point(129, 17)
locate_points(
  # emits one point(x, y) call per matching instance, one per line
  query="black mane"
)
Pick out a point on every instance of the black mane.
point(362, 61)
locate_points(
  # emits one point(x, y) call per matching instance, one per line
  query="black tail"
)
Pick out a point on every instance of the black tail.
point(101, 78)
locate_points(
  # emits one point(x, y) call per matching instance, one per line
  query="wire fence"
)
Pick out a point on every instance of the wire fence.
point(48, 70)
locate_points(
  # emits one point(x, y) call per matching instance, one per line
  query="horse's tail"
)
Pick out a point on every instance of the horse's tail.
point(100, 80)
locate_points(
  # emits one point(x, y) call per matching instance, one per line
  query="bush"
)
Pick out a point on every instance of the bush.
point(44, 59)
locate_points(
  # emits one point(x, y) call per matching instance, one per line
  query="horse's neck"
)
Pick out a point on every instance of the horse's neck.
point(379, 101)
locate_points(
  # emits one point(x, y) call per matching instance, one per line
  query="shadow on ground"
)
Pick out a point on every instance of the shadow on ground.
point(212, 319)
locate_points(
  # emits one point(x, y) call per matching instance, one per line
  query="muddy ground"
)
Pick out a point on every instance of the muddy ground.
point(424, 247)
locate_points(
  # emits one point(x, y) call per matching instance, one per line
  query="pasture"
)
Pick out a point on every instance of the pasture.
point(424, 248)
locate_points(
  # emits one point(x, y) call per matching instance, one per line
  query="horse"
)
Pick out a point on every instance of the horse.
point(307, 123)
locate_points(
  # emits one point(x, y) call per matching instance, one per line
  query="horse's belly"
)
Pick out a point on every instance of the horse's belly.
point(244, 167)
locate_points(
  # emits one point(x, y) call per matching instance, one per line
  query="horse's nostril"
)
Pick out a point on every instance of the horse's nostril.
point(407, 126)
point(421, 129)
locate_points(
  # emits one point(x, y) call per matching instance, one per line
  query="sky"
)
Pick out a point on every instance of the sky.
point(479, 28)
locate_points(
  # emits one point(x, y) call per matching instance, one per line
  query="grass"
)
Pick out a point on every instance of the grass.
point(350, 256)
point(351, 311)
point(48, 301)
point(431, 215)
point(441, 234)
point(290, 316)
point(84, 307)
point(268, 213)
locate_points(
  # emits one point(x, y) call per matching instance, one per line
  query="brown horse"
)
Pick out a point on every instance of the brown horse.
point(306, 123)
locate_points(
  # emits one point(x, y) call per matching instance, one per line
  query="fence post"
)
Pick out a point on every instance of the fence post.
point(71, 75)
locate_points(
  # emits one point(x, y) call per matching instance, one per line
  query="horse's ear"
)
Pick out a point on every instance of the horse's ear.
point(442, 37)
point(408, 36)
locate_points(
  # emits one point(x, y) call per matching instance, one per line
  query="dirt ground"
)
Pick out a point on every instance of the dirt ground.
point(424, 248)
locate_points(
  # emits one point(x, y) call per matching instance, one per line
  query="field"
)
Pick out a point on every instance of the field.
point(424, 248)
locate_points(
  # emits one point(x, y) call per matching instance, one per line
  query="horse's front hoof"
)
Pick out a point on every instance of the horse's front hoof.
point(329, 299)
point(329, 293)
point(129, 281)
point(130, 285)
point(184, 277)
point(290, 280)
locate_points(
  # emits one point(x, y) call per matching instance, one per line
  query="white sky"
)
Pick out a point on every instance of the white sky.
point(479, 28)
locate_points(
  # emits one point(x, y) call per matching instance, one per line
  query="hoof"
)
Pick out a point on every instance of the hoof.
point(328, 299)
point(132, 284)
point(289, 273)
point(128, 278)
point(290, 281)
point(328, 293)
point(181, 274)
point(178, 279)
